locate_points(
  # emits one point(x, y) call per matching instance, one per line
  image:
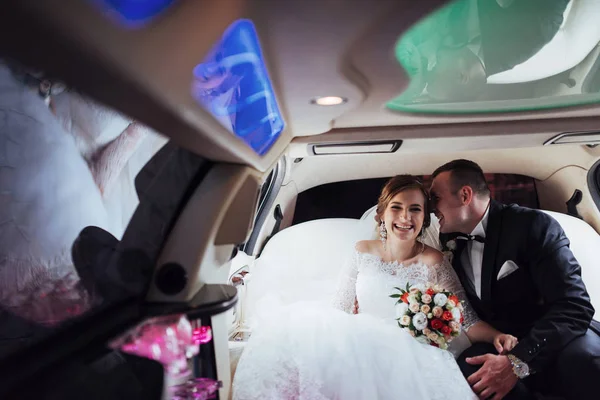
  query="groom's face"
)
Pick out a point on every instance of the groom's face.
point(448, 207)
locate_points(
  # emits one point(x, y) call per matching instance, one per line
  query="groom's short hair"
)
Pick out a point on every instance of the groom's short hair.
point(465, 173)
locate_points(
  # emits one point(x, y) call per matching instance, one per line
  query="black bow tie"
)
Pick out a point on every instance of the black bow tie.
point(464, 236)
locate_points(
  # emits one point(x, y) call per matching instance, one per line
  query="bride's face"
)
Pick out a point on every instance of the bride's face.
point(405, 214)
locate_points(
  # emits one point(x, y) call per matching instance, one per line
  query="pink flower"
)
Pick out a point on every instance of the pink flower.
point(414, 307)
point(425, 308)
point(437, 312)
point(455, 326)
point(426, 299)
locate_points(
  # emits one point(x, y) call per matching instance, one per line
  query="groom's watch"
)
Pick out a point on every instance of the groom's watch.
point(520, 368)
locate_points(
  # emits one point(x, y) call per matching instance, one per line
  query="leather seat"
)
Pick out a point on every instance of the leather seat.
point(303, 261)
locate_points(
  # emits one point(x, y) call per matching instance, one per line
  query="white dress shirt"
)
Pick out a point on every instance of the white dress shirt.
point(472, 257)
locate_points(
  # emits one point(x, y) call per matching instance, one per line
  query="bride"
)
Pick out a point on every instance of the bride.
point(355, 350)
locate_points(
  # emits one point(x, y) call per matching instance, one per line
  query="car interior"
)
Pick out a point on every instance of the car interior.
point(215, 223)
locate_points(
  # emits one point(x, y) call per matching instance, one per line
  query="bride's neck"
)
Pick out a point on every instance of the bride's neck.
point(401, 250)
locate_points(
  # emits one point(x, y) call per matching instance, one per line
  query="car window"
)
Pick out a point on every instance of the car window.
point(352, 198)
point(68, 168)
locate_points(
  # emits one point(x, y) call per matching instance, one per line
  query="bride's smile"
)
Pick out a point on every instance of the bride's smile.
point(404, 215)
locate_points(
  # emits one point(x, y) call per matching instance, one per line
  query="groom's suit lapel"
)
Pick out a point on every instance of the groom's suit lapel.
point(490, 250)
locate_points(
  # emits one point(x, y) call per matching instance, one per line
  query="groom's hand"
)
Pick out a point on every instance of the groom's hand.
point(495, 377)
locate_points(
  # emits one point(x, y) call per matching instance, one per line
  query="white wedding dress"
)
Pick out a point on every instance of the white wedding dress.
point(305, 351)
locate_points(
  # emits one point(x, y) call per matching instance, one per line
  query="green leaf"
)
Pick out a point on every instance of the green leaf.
point(394, 296)
point(397, 288)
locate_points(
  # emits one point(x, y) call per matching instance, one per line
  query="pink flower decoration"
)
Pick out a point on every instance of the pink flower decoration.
point(202, 335)
point(196, 389)
point(168, 340)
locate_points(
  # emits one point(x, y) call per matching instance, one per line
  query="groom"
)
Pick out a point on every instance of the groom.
point(521, 277)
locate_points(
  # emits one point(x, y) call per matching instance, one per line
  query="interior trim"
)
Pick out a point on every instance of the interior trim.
point(367, 147)
point(266, 205)
point(590, 138)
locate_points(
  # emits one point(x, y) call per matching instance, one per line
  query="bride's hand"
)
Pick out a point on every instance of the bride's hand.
point(504, 342)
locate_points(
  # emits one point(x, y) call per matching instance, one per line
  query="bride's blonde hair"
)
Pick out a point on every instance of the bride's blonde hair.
point(397, 184)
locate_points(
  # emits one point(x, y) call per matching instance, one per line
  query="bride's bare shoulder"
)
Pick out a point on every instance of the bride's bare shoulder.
point(368, 247)
point(432, 256)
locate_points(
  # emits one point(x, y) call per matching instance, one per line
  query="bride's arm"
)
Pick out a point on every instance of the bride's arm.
point(345, 293)
point(483, 332)
point(475, 329)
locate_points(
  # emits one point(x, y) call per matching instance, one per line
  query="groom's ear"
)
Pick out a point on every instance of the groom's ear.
point(466, 195)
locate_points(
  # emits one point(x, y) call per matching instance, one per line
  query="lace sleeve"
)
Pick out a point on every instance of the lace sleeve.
point(345, 292)
point(447, 278)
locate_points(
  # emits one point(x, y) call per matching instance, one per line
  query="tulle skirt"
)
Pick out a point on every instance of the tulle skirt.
point(306, 351)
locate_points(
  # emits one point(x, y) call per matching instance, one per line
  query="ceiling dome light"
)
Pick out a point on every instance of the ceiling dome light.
point(328, 100)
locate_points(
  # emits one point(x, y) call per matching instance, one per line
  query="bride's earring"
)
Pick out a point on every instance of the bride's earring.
point(382, 233)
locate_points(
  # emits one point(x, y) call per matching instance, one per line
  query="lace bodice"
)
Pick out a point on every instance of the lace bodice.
point(370, 280)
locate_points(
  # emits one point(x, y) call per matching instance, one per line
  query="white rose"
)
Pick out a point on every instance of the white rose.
point(401, 309)
point(440, 299)
point(412, 298)
point(456, 314)
point(420, 321)
point(437, 312)
point(451, 245)
point(405, 320)
point(450, 305)
point(414, 307)
point(426, 299)
point(430, 315)
point(425, 309)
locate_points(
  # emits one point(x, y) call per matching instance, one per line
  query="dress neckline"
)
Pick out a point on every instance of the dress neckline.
point(393, 263)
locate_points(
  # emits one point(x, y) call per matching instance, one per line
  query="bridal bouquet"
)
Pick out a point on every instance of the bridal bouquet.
point(431, 314)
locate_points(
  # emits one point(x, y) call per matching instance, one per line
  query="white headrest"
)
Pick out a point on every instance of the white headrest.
point(585, 243)
point(301, 262)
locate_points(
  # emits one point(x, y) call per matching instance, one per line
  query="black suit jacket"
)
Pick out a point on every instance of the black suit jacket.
point(544, 302)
